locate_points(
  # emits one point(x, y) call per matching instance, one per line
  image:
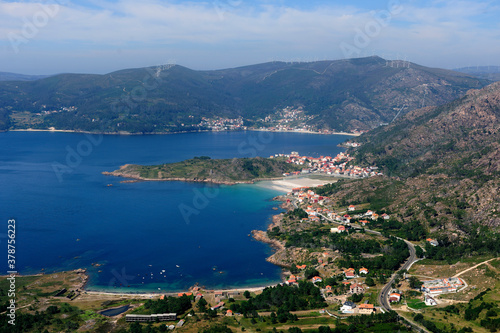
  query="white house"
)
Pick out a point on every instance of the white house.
point(348, 307)
point(429, 301)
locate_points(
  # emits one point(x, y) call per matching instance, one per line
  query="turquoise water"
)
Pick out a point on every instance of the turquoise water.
point(143, 236)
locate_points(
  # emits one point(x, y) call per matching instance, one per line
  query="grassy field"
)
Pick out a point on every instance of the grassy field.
point(416, 304)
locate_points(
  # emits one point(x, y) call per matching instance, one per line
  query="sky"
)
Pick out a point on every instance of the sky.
point(61, 36)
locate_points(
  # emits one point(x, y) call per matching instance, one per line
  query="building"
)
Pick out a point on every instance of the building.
point(356, 288)
point(351, 208)
point(316, 279)
point(433, 242)
point(291, 280)
point(366, 309)
point(348, 307)
point(442, 286)
point(364, 222)
point(363, 270)
point(339, 229)
point(152, 317)
point(218, 306)
point(229, 313)
point(394, 297)
point(350, 273)
point(429, 301)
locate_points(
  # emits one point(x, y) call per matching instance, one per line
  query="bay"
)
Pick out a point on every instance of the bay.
point(147, 235)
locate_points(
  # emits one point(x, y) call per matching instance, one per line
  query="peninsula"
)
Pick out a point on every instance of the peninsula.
point(205, 169)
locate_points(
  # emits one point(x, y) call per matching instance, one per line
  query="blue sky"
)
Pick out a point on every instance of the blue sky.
point(47, 37)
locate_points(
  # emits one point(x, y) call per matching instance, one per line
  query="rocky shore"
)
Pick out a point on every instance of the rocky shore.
point(123, 172)
point(282, 256)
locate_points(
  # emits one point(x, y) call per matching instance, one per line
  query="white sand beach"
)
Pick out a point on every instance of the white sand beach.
point(287, 184)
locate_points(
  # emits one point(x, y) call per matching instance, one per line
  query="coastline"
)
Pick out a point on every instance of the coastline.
point(258, 235)
point(117, 173)
point(166, 133)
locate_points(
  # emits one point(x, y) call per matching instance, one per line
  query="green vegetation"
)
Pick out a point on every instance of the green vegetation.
point(207, 169)
point(60, 318)
point(282, 298)
point(178, 305)
point(176, 98)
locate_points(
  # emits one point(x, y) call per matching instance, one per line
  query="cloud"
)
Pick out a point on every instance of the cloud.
point(235, 32)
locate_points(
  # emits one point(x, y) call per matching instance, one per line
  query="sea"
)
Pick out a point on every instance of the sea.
point(143, 236)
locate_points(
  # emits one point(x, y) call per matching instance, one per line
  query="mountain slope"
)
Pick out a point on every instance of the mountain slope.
point(6, 76)
point(444, 172)
point(483, 72)
point(342, 95)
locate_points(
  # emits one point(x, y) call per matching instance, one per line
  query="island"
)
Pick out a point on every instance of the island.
point(205, 169)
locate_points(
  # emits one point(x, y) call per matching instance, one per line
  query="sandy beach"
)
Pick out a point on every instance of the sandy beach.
point(285, 185)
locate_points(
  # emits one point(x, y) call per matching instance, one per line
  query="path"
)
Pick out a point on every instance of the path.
point(475, 266)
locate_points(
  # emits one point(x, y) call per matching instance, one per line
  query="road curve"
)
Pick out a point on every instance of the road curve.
point(384, 293)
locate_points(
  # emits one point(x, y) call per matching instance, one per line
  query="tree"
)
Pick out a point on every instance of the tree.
point(369, 282)
point(324, 329)
point(135, 327)
point(310, 273)
point(415, 282)
point(202, 304)
point(247, 294)
point(419, 252)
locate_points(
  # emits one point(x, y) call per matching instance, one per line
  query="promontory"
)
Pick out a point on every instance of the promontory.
point(205, 169)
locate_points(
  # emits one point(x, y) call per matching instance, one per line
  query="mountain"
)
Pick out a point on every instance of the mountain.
point(443, 167)
point(483, 72)
point(6, 76)
point(340, 95)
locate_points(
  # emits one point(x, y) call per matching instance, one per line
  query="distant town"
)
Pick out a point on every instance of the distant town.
point(288, 119)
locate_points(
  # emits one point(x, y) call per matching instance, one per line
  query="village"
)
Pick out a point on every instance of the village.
point(327, 165)
point(288, 119)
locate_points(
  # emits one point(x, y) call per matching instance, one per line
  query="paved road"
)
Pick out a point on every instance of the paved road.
point(383, 296)
point(384, 293)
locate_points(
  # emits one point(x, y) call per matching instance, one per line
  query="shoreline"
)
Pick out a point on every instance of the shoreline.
point(167, 133)
point(257, 235)
point(117, 173)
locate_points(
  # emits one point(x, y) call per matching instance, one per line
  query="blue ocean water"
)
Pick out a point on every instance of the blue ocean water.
point(143, 236)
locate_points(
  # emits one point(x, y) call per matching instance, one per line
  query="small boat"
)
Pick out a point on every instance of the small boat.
point(177, 266)
point(109, 185)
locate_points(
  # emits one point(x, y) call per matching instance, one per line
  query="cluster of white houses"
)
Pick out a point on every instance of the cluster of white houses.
point(304, 195)
point(337, 165)
point(442, 286)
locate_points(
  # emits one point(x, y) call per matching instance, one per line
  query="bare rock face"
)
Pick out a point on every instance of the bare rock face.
point(443, 163)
